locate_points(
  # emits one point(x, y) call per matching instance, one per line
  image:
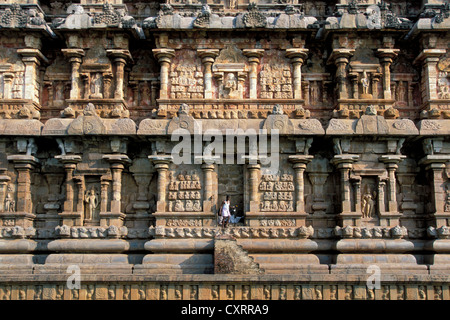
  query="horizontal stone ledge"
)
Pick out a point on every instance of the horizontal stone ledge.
point(179, 245)
point(71, 245)
point(440, 246)
point(284, 245)
point(385, 278)
point(97, 246)
point(21, 246)
point(378, 245)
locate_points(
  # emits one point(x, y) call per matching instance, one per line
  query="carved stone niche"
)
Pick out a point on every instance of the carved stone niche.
point(96, 74)
point(365, 75)
point(230, 70)
point(368, 197)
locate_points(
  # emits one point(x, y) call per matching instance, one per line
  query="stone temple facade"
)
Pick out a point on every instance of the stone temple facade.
point(93, 93)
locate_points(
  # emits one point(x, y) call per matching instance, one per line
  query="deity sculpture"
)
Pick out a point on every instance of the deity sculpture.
point(10, 203)
point(368, 205)
point(91, 200)
point(230, 87)
point(365, 83)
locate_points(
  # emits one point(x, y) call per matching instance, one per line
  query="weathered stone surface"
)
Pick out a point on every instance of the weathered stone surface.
point(230, 258)
point(92, 173)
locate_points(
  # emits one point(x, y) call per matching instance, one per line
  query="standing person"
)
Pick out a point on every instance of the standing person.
point(225, 211)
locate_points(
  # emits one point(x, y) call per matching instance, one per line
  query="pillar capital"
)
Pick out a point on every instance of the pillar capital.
point(392, 160)
point(207, 55)
point(163, 54)
point(253, 54)
point(32, 55)
point(297, 54)
point(68, 159)
point(300, 160)
point(22, 159)
point(161, 159)
point(387, 54)
point(115, 159)
point(119, 54)
point(340, 54)
point(429, 54)
point(344, 160)
point(73, 53)
point(434, 161)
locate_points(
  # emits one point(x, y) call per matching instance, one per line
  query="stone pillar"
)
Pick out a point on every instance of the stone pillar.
point(253, 168)
point(161, 164)
point(120, 58)
point(340, 58)
point(429, 59)
point(81, 187)
point(117, 162)
point(298, 57)
point(70, 164)
point(164, 57)
point(299, 164)
point(208, 192)
point(253, 58)
point(357, 187)
point(141, 205)
point(75, 57)
point(354, 80)
point(7, 85)
point(207, 56)
point(25, 165)
point(104, 185)
point(32, 59)
point(107, 79)
point(435, 166)
point(52, 206)
point(4, 180)
point(391, 162)
point(318, 180)
point(386, 57)
point(344, 163)
point(381, 203)
point(376, 77)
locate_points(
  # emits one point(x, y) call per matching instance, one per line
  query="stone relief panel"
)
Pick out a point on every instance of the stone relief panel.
point(275, 77)
point(369, 196)
point(404, 86)
point(230, 71)
point(96, 73)
point(57, 83)
point(277, 192)
point(143, 82)
point(11, 74)
point(443, 69)
point(185, 191)
point(186, 76)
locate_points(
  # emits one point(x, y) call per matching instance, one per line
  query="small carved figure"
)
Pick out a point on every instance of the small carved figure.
point(10, 203)
point(245, 292)
point(267, 292)
point(179, 206)
point(230, 87)
point(230, 292)
point(365, 83)
point(91, 200)
point(368, 205)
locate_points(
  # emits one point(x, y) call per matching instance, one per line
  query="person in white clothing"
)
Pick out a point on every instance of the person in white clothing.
point(225, 212)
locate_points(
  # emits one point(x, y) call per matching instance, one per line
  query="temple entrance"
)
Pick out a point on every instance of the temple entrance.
point(231, 182)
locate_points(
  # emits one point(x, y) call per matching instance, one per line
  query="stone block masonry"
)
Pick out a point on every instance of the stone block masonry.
point(351, 101)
